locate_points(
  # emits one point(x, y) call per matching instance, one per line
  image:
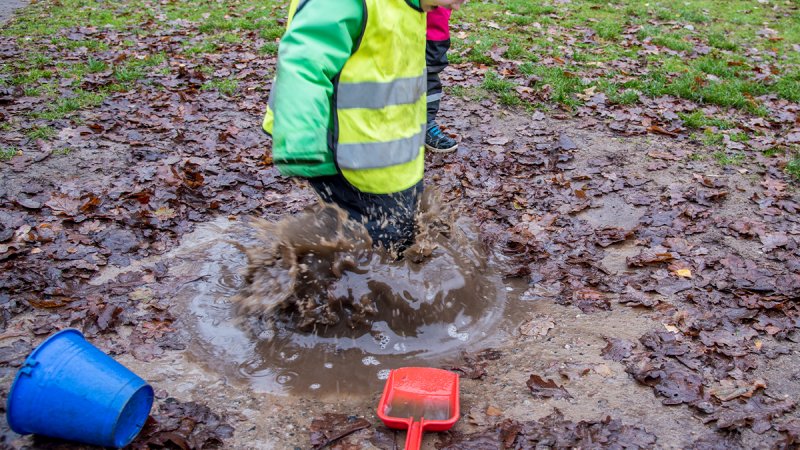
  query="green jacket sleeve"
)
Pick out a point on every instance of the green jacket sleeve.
point(313, 51)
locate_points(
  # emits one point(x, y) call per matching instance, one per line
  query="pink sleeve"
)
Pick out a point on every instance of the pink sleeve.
point(439, 24)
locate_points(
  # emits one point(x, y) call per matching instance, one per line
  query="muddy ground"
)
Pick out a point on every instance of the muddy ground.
point(646, 283)
point(539, 334)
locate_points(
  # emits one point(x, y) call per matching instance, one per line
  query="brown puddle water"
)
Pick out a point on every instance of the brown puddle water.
point(304, 328)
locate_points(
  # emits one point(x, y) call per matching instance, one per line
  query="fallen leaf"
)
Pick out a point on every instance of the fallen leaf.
point(541, 388)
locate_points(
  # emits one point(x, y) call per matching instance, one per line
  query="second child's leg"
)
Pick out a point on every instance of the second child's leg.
point(436, 59)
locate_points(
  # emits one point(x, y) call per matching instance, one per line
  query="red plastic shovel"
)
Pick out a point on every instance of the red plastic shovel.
point(419, 399)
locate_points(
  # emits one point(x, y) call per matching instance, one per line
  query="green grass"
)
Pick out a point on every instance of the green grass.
point(136, 69)
point(673, 42)
point(720, 41)
point(608, 29)
point(201, 48)
point(41, 132)
point(504, 89)
point(723, 77)
point(699, 120)
point(225, 86)
point(127, 74)
point(30, 77)
point(456, 91)
point(788, 87)
point(39, 60)
point(270, 48)
point(63, 107)
point(7, 153)
point(272, 31)
point(495, 83)
point(725, 159)
point(713, 139)
point(793, 167)
point(562, 84)
point(96, 65)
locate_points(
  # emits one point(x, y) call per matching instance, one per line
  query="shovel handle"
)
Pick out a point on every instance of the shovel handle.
point(414, 436)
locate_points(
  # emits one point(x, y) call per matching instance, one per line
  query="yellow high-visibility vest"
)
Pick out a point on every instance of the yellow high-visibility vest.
point(379, 116)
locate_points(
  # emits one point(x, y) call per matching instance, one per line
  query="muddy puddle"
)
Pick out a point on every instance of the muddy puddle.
point(425, 313)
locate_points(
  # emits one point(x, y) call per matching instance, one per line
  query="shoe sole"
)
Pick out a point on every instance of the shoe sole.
point(442, 150)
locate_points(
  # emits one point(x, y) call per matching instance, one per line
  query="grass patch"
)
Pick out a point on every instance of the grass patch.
point(493, 82)
point(456, 91)
point(7, 153)
point(41, 132)
point(67, 105)
point(563, 84)
point(126, 74)
point(39, 60)
point(788, 87)
point(608, 29)
point(673, 42)
point(226, 87)
point(713, 139)
point(270, 48)
point(793, 167)
point(699, 120)
point(201, 48)
point(509, 99)
point(725, 159)
point(31, 76)
point(272, 32)
point(95, 65)
point(721, 42)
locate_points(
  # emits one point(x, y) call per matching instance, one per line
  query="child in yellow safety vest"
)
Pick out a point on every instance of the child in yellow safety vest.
point(348, 108)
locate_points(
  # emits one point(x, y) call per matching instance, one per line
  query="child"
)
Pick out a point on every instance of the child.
point(436, 58)
point(348, 108)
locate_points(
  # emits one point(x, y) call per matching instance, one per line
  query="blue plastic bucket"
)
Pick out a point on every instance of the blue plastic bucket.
point(69, 389)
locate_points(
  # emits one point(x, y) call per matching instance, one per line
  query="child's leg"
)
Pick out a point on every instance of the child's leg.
point(436, 56)
point(389, 219)
point(436, 60)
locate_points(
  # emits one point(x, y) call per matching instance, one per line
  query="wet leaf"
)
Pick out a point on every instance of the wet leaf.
point(650, 256)
point(185, 425)
point(331, 427)
point(617, 349)
point(537, 327)
point(757, 412)
point(541, 388)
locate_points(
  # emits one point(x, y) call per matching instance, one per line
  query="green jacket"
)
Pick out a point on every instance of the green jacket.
point(318, 42)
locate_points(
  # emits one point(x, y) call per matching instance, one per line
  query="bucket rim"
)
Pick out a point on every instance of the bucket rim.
point(18, 376)
point(150, 395)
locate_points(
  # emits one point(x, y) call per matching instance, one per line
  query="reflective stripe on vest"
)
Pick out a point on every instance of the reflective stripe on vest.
point(377, 95)
point(373, 155)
